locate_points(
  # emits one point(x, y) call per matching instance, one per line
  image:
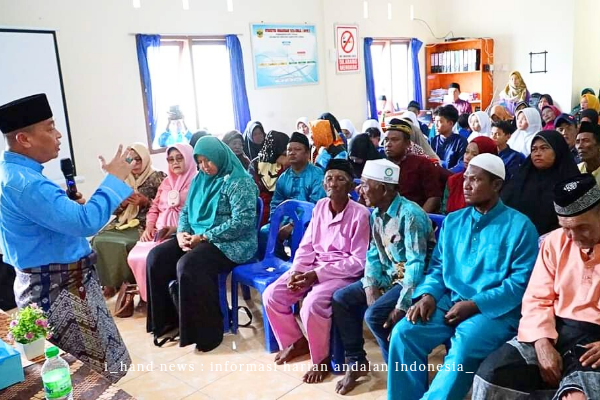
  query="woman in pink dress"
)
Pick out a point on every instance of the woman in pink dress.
point(163, 216)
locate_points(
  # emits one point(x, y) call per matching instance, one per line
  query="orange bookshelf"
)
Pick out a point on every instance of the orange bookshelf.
point(479, 81)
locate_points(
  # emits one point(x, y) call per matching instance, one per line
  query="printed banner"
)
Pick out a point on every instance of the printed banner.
point(284, 55)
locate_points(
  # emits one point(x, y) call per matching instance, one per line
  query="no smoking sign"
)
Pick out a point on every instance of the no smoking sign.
point(346, 48)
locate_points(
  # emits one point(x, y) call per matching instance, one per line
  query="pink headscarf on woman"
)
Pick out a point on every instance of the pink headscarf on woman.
point(175, 187)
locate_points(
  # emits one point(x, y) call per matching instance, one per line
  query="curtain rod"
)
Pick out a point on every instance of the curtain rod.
point(187, 34)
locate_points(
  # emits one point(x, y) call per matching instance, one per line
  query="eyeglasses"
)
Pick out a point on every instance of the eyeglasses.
point(171, 160)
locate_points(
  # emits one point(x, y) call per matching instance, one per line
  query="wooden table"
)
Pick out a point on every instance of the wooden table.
point(87, 383)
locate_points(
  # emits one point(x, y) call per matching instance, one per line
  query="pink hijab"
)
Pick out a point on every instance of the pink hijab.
point(175, 188)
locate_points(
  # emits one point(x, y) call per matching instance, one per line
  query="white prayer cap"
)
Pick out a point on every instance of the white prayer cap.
point(382, 171)
point(491, 163)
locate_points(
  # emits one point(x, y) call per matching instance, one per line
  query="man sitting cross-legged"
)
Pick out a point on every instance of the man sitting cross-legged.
point(331, 255)
point(402, 239)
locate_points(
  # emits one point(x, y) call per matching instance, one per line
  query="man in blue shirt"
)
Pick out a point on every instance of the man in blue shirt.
point(512, 159)
point(450, 147)
point(401, 243)
point(302, 181)
point(471, 295)
point(43, 235)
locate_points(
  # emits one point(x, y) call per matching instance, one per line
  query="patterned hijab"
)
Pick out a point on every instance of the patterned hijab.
point(131, 211)
point(267, 168)
point(519, 91)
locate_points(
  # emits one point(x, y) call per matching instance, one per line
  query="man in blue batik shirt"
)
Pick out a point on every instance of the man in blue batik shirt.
point(43, 235)
point(401, 243)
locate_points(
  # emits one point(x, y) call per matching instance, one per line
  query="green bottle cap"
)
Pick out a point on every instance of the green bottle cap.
point(51, 352)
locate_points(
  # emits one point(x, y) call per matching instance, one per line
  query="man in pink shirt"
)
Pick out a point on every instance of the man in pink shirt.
point(557, 351)
point(331, 255)
point(463, 106)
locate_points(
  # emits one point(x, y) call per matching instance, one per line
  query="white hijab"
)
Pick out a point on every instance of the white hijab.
point(347, 124)
point(371, 123)
point(485, 124)
point(521, 139)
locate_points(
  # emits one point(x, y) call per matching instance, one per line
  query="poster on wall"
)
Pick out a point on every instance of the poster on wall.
point(346, 39)
point(284, 55)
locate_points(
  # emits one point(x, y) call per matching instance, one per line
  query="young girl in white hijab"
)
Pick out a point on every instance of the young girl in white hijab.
point(480, 124)
point(529, 123)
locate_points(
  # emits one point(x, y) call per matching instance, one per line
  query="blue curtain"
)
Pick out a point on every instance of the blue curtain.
point(143, 44)
point(415, 46)
point(241, 109)
point(371, 101)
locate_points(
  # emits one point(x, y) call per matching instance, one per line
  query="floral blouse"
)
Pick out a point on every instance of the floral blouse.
point(149, 189)
point(234, 228)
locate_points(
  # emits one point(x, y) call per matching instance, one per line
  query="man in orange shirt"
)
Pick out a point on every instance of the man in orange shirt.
point(557, 350)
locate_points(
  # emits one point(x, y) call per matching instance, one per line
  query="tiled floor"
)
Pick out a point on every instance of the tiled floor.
point(238, 369)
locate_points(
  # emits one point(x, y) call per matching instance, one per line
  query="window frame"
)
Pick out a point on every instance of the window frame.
point(185, 43)
point(387, 43)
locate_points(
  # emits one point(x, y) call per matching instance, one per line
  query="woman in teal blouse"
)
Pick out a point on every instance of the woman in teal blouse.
point(216, 232)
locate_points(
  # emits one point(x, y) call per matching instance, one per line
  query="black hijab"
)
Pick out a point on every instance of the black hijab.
point(530, 191)
point(275, 145)
point(362, 147)
point(250, 148)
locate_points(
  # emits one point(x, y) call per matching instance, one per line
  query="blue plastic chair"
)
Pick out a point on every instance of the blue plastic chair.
point(223, 304)
point(259, 275)
point(437, 220)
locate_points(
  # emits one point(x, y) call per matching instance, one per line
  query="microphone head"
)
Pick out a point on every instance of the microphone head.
point(66, 166)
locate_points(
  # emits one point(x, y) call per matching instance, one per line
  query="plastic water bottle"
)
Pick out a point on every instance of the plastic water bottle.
point(56, 376)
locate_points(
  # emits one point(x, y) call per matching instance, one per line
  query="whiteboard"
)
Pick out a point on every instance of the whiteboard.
point(30, 64)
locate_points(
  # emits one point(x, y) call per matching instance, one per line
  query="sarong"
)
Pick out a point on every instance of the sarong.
point(512, 372)
point(81, 324)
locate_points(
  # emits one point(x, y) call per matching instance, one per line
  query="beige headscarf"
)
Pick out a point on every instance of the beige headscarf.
point(518, 92)
point(132, 211)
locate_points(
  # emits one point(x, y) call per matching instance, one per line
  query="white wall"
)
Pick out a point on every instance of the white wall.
point(347, 93)
point(586, 48)
point(100, 68)
point(519, 27)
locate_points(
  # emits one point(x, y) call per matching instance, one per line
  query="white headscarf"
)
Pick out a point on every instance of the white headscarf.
point(347, 124)
point(304, 120)
point(485, 124)
point(521, 139)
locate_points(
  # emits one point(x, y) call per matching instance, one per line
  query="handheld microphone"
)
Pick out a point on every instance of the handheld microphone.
point(66, 166)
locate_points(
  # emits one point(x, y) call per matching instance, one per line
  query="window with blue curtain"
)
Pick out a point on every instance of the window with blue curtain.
point(192, 84)
point(370, 78)
point(415, 46)
point(144, 44)
point(392, 74)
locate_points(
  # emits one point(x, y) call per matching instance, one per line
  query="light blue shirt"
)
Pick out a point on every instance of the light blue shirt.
point(305, 186)
point(486, 258)
point(39, 224)
point(401, 243)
